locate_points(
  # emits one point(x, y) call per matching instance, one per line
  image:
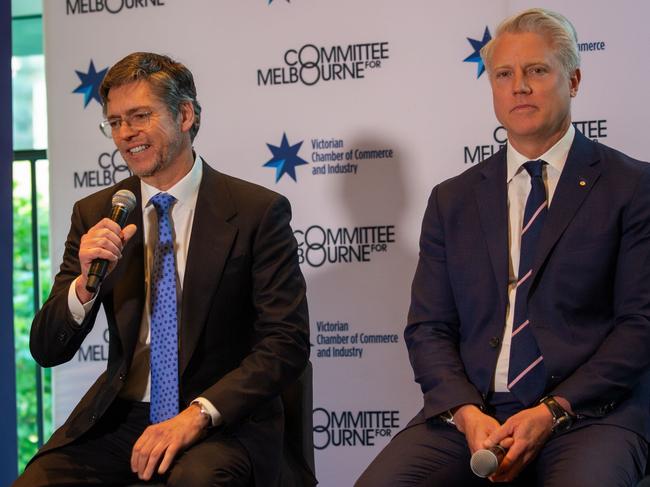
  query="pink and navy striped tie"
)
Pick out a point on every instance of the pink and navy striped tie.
point(164, 317)
point(526, 373)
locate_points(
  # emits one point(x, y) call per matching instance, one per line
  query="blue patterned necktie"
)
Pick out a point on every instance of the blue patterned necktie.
point(164, 318)
point(526, 373)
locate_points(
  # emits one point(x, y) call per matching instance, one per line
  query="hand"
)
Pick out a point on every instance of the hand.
point(476, 425)
point(103, 241)
point(524, 433)
point(164, 440)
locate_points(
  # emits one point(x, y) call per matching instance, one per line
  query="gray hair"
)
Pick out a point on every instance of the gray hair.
point(170, 81)
point(552, 25)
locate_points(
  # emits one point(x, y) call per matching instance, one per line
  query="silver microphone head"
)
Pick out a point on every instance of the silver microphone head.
point(484, 462)
point(125, 199)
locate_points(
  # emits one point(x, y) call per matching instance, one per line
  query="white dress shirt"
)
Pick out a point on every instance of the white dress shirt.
point(518, 190)
point(138, 382)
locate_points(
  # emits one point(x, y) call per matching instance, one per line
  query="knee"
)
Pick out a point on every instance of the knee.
point(219, 472)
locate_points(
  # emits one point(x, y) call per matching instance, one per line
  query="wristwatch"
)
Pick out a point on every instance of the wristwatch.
point(562, 420)
point(204, 412)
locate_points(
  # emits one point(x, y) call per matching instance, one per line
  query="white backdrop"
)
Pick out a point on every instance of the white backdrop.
point(406, 94)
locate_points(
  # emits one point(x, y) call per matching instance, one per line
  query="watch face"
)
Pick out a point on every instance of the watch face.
point(562, 423)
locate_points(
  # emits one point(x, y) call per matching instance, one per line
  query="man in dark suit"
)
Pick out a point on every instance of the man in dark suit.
point(239, 317)
point(529, 325)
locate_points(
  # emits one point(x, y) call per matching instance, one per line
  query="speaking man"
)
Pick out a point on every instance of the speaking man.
point(205, 303)
point(529, 324)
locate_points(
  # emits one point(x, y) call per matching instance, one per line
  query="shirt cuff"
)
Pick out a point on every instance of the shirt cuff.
point(78, 310)
point(212, 411)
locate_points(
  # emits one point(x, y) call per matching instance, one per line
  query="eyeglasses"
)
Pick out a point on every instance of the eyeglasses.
point(135, 121)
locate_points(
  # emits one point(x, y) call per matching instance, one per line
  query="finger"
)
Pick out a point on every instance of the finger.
point(167, 460)
point(102, 235)
point(513, 456)
point(128, 232)
point(143, 457)
point(88, 255)
point(507, 442)
point(135, 452)
point(108, 224)
point(141, 451)
point(152, 461)
point(497, 436)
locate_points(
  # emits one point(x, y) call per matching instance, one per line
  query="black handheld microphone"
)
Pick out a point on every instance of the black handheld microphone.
point(123, 203)
point(486, 462)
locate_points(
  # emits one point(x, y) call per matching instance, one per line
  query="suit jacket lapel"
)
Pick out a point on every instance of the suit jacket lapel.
point(579, 175)
point(210, 244)
point(492, 201)
point(128, 279)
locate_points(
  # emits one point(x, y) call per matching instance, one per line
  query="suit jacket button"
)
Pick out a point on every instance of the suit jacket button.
point(494, 342)
point(93, 418)
point(122, 376)
point(61, 336)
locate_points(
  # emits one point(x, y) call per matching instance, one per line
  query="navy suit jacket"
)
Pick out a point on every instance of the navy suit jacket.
point(589, 301)
point(244, 327)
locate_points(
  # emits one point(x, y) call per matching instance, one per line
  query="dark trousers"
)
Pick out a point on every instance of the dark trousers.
point(102, 456)
point(436, 454)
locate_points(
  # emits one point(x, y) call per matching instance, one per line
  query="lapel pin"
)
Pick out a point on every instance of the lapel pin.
point(582, 183)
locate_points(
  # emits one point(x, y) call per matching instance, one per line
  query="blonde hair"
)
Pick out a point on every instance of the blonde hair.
point(552, 25)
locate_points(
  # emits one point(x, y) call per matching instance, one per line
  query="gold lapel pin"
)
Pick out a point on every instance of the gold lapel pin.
point(582, 183)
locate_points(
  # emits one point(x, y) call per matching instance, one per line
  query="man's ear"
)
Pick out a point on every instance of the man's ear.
point(574, 82)
point(186, 113)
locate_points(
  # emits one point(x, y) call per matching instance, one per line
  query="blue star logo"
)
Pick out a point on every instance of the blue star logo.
point(90, 82)
point(475, 57)
point(285, 158)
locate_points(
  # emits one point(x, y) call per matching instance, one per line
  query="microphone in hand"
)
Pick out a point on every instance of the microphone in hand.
point(485, 462)
point(123, 203)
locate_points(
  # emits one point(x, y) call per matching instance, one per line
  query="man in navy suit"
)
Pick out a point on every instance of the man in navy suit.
point(529, 325)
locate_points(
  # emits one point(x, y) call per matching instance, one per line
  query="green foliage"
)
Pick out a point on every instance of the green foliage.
point(24, 309)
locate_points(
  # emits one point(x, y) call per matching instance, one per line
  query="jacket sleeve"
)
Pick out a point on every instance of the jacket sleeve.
point(55, 336)
point(616, 367)
point(432, 333)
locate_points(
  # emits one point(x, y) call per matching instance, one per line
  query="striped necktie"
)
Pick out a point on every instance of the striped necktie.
point(164, 317)
point(526, 372)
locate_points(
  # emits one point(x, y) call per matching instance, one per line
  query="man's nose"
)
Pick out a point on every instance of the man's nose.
point(520, 83)
point(125, 131)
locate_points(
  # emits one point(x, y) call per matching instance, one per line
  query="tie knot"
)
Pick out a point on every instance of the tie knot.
point(162, 202)
point(534, 168)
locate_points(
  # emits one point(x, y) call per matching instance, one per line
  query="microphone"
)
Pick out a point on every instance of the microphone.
point(486, 462)
point(123, 203)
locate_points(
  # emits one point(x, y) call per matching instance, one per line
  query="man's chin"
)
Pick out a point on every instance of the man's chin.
point(143, 170)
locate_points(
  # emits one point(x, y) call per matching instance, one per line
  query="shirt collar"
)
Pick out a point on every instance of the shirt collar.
point(555, 157)
point(185, 191)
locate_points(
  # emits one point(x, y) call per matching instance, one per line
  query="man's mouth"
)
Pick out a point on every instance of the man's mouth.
point(137, 149)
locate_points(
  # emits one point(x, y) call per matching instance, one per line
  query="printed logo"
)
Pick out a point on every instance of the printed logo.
point(593, 129)
point(591, 46)
point(352, 428)
point(327, 157)
point(112, 169)
point(311, 64)
point(475, 57)
point(318, 245)
point(75, 7)
point(285, 158)
point(90, 82)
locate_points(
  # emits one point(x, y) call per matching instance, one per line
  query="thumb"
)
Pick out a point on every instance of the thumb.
point(128, 232)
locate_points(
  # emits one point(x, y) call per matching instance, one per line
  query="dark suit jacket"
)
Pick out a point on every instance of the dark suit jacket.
point(244, 329)
point(589, 301)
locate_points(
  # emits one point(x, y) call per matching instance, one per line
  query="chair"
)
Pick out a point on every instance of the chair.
point(298, 459)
